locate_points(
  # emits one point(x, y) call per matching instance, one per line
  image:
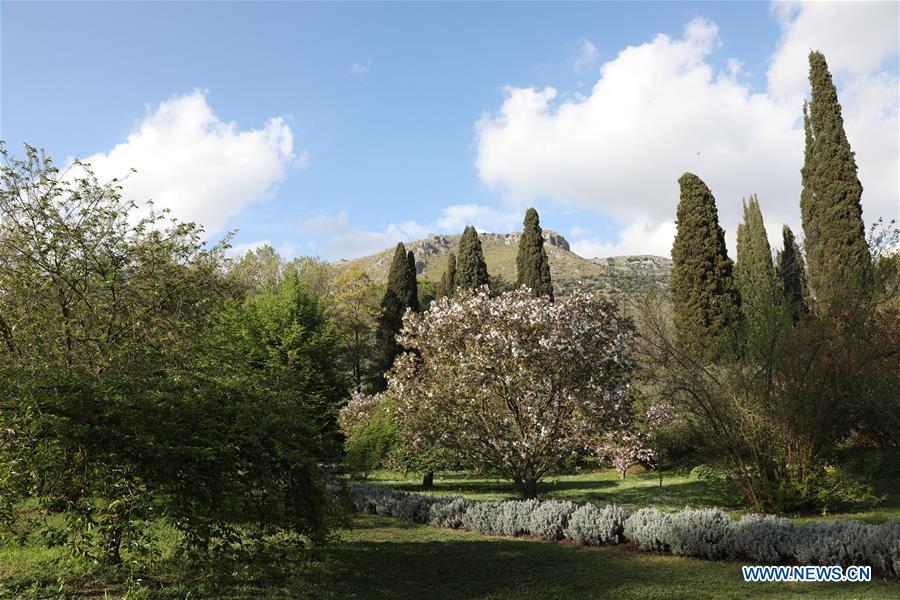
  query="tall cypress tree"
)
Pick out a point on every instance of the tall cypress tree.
point(754, 276)
point(838, 256)
point(532, 264)
point(412, 285)
point(705, 298)
point(447, 285)
point(792, 273)
point(471, 270)
point(401, 293)
point(754, 273)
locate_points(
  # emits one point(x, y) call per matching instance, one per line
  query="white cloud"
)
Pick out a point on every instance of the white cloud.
point(579, 232)
point(856, 38)
point(639, 237)
point(660, 109)
point(241, 249)
point(360, 69)
point(202, 168)
point(587, 54)
point(341, 239)
point(454, 219)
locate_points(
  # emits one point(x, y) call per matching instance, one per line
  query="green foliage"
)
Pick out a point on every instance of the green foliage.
point(128, 390)
point(471, 270)
point(532, 264)
point(372, 442)
point(448, 279)
point(401, 293)
point(792, 273)
point(356, 310)
point(838, 257)
point(704, 295)
point(754, 275)
point(285, 335)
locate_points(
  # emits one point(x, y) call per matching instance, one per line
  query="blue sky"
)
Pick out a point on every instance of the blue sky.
point(338, 129)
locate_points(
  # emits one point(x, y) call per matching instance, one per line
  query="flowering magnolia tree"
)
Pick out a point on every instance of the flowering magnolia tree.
point(637, 443)
point(513, 383)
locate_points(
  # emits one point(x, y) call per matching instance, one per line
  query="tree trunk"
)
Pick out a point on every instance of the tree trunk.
point(527, 487)
point(660, 476)
point(428, 480)
point(530, 488)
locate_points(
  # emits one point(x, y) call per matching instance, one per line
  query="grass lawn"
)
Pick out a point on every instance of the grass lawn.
point(383, 557)
point(637, 490)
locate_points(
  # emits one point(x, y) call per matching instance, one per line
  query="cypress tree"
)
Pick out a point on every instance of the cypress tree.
point(839, 258)
point(754, 273)
point(412, 285)
point(532, 264)
point(754, 276)
point(401, 293)
point(705, 299)
point(471, 270)
point(792, 273)
point(448, 280)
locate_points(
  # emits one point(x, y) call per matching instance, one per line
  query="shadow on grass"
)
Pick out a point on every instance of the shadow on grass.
point(392, 559)
point(385, 558)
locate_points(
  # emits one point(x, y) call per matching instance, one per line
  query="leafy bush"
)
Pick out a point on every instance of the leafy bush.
point(706, 473)
point(594, 526)
point(449, 513)
point(766, 540)
point(849, 543)
point(513, 517)
point(707, 533)
point(650, 529)
point(549, 519)
point(831, 543)
point(482, 517)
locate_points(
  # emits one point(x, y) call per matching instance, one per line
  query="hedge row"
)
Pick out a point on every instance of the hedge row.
point(704, 533)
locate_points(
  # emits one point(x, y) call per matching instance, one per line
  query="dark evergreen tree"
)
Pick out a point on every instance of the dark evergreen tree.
point(839, 260)
point(792, 273)
point(705, 298)
point(400, 294)
point(754, 273)
point(532, 264)
point(448, 280)
point(471, 270)
point(754, 276)
point(412, 286)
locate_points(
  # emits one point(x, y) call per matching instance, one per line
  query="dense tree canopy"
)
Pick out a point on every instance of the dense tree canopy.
point(401, 294)
point(131, 387)
point(487, 385)
point(838, 256)
point(447, 285)
point(704, 295)
point(471, 270)
point(532, 264)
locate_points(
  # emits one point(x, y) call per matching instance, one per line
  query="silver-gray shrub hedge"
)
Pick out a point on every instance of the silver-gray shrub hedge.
point(766, 540)
point(650, 529)
point(704, 533)
point(449, 514)
point(482, 517)
point(594, 526)
point(550, 518)
point(849, 543)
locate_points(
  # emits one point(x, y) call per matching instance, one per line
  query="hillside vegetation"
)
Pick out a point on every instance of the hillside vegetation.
point(617, 274)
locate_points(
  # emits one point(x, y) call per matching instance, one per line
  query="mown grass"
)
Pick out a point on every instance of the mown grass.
point(638, 490)
point(381, 557)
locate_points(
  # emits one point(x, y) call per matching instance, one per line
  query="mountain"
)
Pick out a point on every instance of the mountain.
point(618, 274)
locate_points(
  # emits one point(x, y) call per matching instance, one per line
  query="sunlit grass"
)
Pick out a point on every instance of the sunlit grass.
point(639, 489)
